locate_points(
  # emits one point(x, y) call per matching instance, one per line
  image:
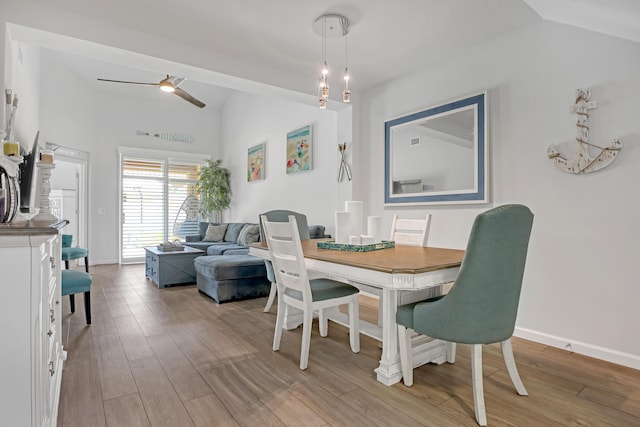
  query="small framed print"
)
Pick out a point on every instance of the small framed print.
point(255, 162)
point(299, 150)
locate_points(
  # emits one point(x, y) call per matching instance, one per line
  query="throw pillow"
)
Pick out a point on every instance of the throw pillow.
point(316, 231)
point(215, 233)
point(233, 231)
point(202, 229)
point(250, 233)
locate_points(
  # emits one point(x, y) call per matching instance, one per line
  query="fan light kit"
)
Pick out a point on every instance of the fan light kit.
point(334, 26)
point(170, 85)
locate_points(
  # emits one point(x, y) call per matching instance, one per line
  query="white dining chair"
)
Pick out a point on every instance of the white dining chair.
point(415, 232)
point(303, 229)
point(296, 290)
point(411, 232)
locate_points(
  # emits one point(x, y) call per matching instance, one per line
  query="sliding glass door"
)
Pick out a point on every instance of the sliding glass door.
point(159, 203)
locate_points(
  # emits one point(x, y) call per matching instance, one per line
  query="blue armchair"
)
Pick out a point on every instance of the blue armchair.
point(69, 253)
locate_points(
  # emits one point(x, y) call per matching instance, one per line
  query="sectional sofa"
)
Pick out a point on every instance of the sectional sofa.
point(228, 272)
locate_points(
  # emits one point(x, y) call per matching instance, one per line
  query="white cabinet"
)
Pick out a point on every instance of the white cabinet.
point(31, 355)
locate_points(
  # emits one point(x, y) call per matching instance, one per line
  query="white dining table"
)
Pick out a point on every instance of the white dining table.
point(398, 275)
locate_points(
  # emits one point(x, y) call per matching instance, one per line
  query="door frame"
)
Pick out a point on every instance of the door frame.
point(81, 158)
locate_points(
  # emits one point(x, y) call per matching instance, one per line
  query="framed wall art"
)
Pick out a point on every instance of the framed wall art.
point(256, 163)
point(299, 150)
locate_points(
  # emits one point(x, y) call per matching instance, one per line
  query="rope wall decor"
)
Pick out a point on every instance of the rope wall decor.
point(584, 162)
point(344, 167)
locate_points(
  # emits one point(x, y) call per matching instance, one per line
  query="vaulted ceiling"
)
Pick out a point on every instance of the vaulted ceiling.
point(273, 43)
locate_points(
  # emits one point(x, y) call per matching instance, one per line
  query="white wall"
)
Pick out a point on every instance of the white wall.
point(76, 114)
point(26, 85)
point(581, 284)
point(64, 176)
point(249, 120)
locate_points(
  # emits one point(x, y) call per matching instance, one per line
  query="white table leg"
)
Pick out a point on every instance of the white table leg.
point(389, 371)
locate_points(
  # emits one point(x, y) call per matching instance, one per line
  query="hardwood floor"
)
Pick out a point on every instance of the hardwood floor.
point(172, 357)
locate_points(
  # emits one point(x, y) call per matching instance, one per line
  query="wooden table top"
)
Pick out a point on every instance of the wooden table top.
point(399, 260)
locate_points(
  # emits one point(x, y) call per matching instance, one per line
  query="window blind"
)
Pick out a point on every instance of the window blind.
point(159, 203)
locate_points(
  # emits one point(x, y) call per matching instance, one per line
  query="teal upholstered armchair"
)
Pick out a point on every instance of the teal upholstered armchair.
point(482, 305)
point(75, 282)
point(69, 253)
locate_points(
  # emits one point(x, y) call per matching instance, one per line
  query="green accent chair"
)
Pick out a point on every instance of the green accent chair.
point(69, 253)
point(281, 215)
point(482, 305)
point(296, 290)
point(74, 282)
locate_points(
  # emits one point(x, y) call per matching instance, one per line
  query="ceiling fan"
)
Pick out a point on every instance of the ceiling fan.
point(170, 85)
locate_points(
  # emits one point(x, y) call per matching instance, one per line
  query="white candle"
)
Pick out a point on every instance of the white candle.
point(355, 240)
point(374, 225)
point(342, 227)
point(356, 217)
point(367, 240)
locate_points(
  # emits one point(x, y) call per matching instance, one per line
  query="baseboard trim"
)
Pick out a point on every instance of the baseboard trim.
point(102, 261)
point(602, 353)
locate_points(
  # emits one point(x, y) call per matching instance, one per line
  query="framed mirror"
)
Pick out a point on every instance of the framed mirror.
point(439, 155)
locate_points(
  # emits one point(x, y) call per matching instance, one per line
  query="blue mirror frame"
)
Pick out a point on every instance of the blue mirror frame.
point(474, 193)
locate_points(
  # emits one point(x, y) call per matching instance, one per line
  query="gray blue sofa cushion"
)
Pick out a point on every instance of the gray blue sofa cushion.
point(317, 232)
point(238, 236)
point(221, 248)
point(231, 277)
point(202, 230)
point(233, 231)
point(230, 267)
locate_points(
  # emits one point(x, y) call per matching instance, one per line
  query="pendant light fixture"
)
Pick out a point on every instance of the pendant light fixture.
point(346, 93)
point(331, 26)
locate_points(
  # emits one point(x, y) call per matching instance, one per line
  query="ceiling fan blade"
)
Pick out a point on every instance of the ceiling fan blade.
point(131, 83)
point(177, 81)
point(184, 95)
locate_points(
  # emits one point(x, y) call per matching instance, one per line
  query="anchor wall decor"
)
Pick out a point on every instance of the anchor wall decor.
point(584, 162)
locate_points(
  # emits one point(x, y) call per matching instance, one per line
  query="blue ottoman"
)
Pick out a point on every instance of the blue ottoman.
point(231, 277)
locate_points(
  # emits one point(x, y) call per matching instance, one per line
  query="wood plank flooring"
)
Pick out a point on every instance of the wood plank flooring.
point(172, 357)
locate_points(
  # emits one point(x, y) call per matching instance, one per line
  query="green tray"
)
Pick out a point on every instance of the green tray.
point(385, 244)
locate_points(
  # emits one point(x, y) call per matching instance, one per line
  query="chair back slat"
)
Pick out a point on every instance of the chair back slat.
point(283, 240)
point(410, 232)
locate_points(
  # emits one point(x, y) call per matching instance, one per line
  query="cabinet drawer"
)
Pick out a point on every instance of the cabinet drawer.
point(152, 266)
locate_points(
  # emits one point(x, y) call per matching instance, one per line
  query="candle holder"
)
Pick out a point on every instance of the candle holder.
point(44, 174)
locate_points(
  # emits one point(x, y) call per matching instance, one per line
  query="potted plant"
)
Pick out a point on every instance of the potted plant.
point(215, 189)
